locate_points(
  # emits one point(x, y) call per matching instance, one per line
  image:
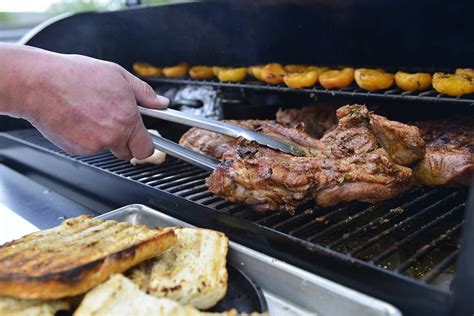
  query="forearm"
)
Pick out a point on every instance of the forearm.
point(18, 63)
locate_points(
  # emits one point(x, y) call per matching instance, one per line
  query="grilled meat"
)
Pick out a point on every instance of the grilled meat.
point(357, 131)
point(456, 133)
point(270, 180)
point(303, 124)
point(348, 165)
point(449, 158)
point(449, 144)
point(403, 142)
point(214, 144)
point(359, 159)
point(445, 166)
point(207, 143)
point(360, 131)
point(449, 151)
point(75, 256)
point(315, 120)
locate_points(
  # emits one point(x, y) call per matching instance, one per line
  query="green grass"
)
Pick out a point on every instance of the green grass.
point(6, 17)
point(94, 5)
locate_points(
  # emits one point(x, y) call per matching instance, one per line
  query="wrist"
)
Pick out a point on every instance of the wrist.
point(21, 69)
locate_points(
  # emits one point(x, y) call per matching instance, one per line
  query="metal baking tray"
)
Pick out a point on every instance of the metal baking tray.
point(287, 289)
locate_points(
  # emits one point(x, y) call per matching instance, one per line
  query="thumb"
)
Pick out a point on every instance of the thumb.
point(145, 95)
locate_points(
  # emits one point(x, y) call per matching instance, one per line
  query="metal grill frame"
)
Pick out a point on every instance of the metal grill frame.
point(352, 91)
point(93, 181)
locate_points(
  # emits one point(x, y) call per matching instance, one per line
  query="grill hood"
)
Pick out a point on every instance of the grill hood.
point(422, 34)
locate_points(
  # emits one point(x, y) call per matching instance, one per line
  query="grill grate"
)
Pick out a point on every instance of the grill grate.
point(415, 234)
point(351, 91)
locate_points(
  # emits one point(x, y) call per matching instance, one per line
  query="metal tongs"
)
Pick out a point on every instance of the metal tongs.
point(195, 158)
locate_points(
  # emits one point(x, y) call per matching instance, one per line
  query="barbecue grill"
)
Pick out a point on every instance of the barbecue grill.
point(405, 251)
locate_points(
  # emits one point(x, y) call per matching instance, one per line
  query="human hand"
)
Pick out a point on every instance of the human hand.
point(85, 105)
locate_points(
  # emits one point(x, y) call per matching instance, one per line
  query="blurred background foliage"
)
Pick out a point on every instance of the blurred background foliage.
point(6, 17)
point(94, 5)
point(15, 23)
point(62, 6)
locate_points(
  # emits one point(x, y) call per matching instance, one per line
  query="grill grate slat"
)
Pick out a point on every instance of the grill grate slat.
point(399, 226)
point(323, 216)
point(232, 208)
point(115, 168)
point(340, 224)
point(295, 220)
point(425, 249)
point(184, 183)
point(422, 229)
point(189, 193)
point(383, 220)
point(443, 265)
point(125, 168)
point(112, 165)
point(218, 204)
point(96, 158)
point(104, 161)
point(192, 171)
point(142, 171)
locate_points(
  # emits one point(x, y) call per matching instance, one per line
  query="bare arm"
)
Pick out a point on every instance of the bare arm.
point(83, 105)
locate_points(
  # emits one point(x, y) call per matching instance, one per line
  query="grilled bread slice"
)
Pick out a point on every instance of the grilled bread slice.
point(192, 272)
point(120, 296)
point(75, 256)
point(10, 306)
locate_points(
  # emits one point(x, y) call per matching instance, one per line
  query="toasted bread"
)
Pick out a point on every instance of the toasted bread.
point(120, 296)
point(75, 256)
point(192, 272)
point(10, 306)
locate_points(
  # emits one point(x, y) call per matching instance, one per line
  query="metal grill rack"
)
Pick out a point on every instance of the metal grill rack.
point(351, 91)
point(414, 235)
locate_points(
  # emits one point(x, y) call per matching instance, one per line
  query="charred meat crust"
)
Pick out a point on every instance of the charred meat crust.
point(349, 163)
point(271, 180)
point(215, 145)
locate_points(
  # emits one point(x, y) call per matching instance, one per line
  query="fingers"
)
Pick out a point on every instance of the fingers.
point(139, 143)
point(122, 152)
point(144, 94)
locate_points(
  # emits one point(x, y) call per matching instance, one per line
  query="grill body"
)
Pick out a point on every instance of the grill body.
point(395, 250)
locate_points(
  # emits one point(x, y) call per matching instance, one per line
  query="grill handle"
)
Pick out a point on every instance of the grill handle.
point(178, 151)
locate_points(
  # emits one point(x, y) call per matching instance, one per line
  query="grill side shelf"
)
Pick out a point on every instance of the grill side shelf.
point(178, 189)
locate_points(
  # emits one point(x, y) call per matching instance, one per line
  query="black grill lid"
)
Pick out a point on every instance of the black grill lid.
point(404, 33)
